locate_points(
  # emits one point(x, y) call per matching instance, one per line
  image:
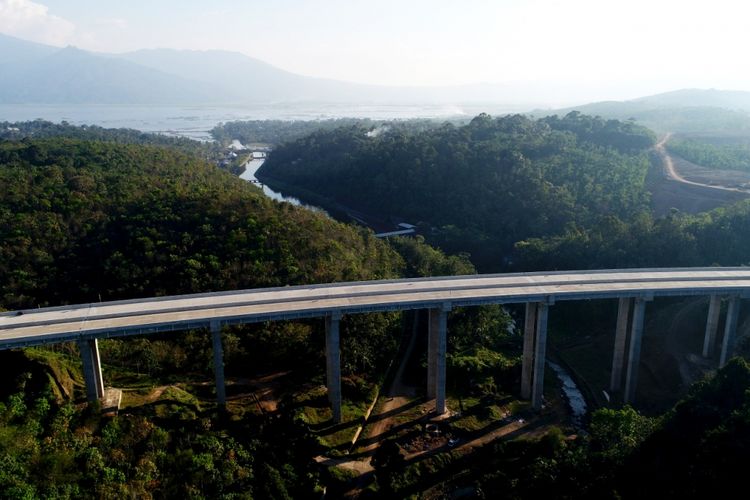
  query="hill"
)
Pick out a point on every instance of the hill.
point(480, 187)
point(119, 220)
point(702, 111)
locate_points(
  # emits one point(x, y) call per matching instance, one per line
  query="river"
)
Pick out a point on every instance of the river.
point(573, 395)
point(252, 166)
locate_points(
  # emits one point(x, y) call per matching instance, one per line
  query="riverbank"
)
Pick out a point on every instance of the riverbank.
point(336, 210)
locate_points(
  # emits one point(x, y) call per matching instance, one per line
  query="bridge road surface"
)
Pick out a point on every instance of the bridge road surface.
point(133, 317)
point(87, 323)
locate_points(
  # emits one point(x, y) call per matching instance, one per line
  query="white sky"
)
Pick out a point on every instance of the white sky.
point(623, 48)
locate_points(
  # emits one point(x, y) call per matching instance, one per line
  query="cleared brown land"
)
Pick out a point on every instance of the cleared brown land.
point(690, 188)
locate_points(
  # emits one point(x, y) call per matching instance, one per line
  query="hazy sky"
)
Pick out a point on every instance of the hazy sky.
point(623, 47)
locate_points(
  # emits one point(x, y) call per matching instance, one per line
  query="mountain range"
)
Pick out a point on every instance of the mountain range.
point(695, 111)
point(33, 73)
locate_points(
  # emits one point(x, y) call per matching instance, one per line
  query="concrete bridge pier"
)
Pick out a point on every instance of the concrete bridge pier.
point(540, 353)
point(534, 352)
point(621, 339)
point(712, 325)
point(527, 366)
point(634, 351)
point(730, 330)
point(221, 395)
point(436, 351)
point(92, 369)
point(333, 363)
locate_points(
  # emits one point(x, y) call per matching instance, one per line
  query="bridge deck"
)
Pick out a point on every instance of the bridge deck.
point(39, 326)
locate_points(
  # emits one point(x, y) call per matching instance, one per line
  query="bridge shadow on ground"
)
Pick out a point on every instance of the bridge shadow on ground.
point(410, 430)
point(395, 411)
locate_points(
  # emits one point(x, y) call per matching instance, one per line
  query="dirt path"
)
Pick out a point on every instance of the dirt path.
point(398, 395)
point(156, 393)
point(263, 389)
point(672, 173)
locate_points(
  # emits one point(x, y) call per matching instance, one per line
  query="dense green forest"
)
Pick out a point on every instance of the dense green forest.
point(113, 215)
point(481, 187)
point(212, 151)
point(276, 132)
point(718, 237)
point(724, 153)
point(126, 221)
point(90, 220)
point(42, 129)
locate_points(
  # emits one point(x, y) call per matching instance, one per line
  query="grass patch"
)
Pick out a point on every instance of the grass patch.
point(65, 370)
point(144, 396)
point(312, 408)
point(478, 413)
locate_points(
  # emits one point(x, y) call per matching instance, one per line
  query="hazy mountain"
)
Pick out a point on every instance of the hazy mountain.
point(14, 50)
point(73, 76)
point(237, 77)
point(244, 78)
point(35, 73)
point(728, 99)
point(687, 111)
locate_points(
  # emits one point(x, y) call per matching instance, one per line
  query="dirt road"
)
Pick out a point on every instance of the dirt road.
point(672, 173)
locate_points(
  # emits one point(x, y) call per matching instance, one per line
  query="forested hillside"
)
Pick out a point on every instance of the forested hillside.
point(80, 221)
point(723, 153)
point(275, 132)
point(89, 220)
point(481, 187)
point(718, 237)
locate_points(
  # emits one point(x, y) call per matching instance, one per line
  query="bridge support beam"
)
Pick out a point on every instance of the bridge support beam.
point(436, 352)
point(621, 339)
point(527, 365)
point(712, 325)
point(540, 352)
point(333, 364)
point(432, 344)
point(634, 354)
point(92, 369)
point(221, 395)
point(730, 330)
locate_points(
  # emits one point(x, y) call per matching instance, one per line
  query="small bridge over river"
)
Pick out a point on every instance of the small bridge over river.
point(633, 288)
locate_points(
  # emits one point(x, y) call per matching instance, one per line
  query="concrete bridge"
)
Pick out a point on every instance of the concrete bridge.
point(633, 288)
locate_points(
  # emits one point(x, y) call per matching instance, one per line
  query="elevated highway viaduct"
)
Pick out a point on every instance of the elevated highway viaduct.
point(633, 288)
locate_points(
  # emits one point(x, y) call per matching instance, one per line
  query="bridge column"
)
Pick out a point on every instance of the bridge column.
point(527, 364)
point(92, 369)
point(333, 363)
point(712, 325)
point(634, 354)
point(221, 395)
point(621, 338)
point(438, 342)
point(730, 330)
point(540, 349)
point(433, 327)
